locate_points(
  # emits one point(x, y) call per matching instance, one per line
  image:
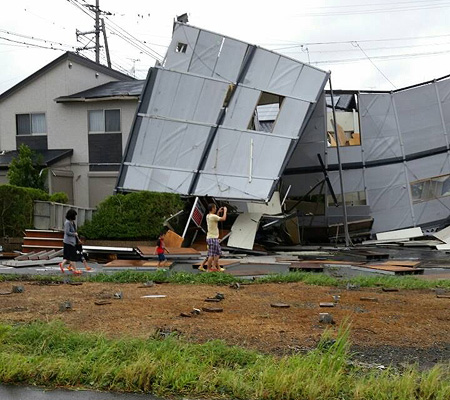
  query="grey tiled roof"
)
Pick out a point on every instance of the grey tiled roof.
point(49, 157)
point(110, 89)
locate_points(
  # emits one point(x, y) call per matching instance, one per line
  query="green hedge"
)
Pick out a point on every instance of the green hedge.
point(59, 197)
point(16, 208)
point(132, 216)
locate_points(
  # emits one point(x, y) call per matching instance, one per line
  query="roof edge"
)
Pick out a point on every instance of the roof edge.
point(67, 56)
point(66, 99)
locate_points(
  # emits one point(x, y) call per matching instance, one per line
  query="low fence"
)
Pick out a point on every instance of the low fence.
point(49, 215)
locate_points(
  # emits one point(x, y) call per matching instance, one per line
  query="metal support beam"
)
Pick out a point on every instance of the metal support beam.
point(341, 180)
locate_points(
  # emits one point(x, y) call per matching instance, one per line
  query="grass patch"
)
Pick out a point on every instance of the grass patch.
point(52, 355)
point(216, 278)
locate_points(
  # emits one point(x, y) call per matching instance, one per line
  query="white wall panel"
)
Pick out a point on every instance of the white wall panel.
point(261, 69)
point(284, 76)
point(171, 135)
point(291, 117)
point(186, 97)
point(419, 119)
point(309, 80)
point(230, 60)
point(205, 54)
point(379, 132)
point(353, 181)
point(388, 197)
point(177, 60)
point(241, 108)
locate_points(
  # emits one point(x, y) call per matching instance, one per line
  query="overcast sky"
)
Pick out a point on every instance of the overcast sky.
point(366, 44)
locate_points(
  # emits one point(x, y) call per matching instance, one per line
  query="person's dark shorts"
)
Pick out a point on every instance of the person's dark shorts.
point(214, 248)
point(70, 252)
point(161, 257)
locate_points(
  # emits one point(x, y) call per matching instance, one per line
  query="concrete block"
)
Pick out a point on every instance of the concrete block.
point(18, 289)
point(326, 318)
point(67, 305)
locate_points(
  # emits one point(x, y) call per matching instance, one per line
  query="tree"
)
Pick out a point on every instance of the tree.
point(25, 170)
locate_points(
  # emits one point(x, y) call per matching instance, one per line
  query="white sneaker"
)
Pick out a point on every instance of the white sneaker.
point(201, 268)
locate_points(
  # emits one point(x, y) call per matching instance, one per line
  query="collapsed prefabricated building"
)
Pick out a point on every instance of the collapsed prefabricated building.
point(225, 119)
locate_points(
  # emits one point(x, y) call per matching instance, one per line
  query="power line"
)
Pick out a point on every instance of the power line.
point(378, 48)
point(32, 44)
point(376, 10)
point(362, 41)
point(378, 69)
point(128, 37)
point(119, 31)
point(385, 57)
point(36, 38)
point(377, 4)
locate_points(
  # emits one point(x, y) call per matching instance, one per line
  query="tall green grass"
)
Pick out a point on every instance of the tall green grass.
point(52, 355)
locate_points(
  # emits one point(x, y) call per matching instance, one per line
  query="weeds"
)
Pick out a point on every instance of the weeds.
point(52, 355)
point(310, 278)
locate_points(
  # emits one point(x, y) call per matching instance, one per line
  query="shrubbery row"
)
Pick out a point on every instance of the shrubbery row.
point(132, 216)
point(16, 207)
point(137, 215)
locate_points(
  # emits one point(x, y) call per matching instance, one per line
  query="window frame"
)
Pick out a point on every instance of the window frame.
point(181, 48)
point(103, 110)
point(30, 116)
point(251, 126)
point(430, 187)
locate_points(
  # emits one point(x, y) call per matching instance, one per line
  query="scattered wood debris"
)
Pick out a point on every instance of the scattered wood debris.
point(280, 305)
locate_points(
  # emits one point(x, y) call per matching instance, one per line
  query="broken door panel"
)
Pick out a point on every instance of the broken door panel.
point(243, 231)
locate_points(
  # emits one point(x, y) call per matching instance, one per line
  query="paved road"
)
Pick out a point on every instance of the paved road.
point(31, 393)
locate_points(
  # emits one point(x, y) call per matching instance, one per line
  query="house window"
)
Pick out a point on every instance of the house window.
point(347, 127)
point(431, 188)
point(31, 124)
point(101, 121)
point(266, 112)
point(181, 47)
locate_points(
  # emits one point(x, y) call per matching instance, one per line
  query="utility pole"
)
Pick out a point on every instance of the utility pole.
point(105, 40)
point(96, 32)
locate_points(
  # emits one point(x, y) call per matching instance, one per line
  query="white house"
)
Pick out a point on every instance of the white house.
point(77, 114)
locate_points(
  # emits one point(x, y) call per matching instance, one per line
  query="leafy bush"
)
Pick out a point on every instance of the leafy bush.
point(37, 194)
point(26, 169)
point(16, 208)
point(132, 216)
point(59, 197)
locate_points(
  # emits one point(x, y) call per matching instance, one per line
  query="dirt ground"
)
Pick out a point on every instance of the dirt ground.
point(390, 327)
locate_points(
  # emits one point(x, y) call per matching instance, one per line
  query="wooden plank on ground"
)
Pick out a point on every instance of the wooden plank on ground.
point(312, 267)
point(125, 263)
point(134, 264)
point(329, 262)
point(154, 263)
point(171, 239)
point(222, 263)
point(150, 251)
point(403, 263)
point(396, 269)
point(7, 256)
